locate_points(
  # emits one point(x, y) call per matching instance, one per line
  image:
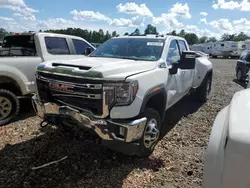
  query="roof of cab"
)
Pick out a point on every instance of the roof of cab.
point(150, 36)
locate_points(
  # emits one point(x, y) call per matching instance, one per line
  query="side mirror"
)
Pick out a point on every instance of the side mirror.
point(88, 51)
point(188, 59)
point(173, 70)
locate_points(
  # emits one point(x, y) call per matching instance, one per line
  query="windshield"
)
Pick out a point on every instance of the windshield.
point(145, 49)
point(18, 45)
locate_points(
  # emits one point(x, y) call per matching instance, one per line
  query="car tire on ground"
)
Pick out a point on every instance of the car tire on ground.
point(151, 133)
point(203, 91)
point(239, 74)
point(9, 106)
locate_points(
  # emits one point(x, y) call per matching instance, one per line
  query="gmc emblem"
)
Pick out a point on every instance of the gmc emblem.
point(61, 87)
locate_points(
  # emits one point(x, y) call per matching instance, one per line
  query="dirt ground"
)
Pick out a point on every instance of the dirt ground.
point(176, 162)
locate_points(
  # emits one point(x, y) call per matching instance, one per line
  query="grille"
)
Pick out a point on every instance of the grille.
point(83, 94)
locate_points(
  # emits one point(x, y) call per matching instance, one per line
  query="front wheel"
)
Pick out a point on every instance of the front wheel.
point(151, 132)
point(9, 106)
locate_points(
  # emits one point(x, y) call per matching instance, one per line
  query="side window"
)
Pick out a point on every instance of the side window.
point(173, 53)
point(80, 46)
point(56, 45)
point(182, 46)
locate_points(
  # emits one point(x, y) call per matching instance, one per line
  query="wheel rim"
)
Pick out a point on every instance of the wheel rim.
point(151, 133)
point(5, 107)
point(239, 75)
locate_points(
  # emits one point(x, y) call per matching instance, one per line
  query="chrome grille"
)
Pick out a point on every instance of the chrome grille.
point(84, 95)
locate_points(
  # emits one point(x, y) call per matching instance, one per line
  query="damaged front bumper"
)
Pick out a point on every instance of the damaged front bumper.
point(106, 129)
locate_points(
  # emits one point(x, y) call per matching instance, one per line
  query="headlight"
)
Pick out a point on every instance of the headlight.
point(120, 93)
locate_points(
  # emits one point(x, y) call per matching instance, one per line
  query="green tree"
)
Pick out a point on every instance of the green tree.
point(191, 38)
point(114, 34)
point(3, 32)
point(174, 33)
point(150, 30)
point(136, 32)
point(182, 33)
point(107, 36)
point(126, 33)
point(211, 39)
point(203, 39)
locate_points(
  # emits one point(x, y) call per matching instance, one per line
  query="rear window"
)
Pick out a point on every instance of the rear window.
point(57, 45)
point(18, 45)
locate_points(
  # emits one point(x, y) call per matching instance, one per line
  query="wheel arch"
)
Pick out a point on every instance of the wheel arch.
point(10, 84)
point(155, 98)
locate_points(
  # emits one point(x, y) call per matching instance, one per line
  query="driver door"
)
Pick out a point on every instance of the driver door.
point(173, 86)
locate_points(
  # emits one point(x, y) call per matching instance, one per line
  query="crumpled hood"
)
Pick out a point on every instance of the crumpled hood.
point(107, 68)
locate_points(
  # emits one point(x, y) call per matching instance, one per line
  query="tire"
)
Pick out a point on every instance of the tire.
point(9, 106)
point(202, 92)
point(153, 119)
point(239, 74)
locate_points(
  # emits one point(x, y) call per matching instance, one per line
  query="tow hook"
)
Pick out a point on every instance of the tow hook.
point(44, 124)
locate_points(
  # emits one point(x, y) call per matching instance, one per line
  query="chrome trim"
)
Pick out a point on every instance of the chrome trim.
point(134, 129)
point(86, 86)
point(85, 96)
point(74, 76)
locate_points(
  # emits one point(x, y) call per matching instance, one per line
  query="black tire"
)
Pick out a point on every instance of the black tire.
point(146, 149)
point(202, 92)
point(9, 98)
point(239, 75)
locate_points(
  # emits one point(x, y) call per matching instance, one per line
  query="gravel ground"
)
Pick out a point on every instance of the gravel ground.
point(176, 162)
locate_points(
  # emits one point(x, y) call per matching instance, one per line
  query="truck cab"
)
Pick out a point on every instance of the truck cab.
point(19, 57)
point(122, 90)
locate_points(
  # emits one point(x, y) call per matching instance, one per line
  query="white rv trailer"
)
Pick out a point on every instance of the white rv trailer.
point(197, 47)
point(223, 49)
point(207, 47)
point(242, 45)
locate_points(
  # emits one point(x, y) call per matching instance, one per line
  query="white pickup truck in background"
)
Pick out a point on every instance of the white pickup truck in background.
point(227, 161)
point(19, 57)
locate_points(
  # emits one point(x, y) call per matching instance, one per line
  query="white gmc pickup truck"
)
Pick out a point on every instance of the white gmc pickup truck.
point(227, 161)
point(122, 90)
point(19, 56)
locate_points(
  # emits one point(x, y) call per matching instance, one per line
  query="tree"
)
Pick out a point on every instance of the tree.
point(212, 39)
point(107, 36)
point(191, 38)
point(136, 32)
point(203, 39)
point(114, 34)
point(174, 33)
point(3, 32)
point(227, 37)
point(150, 30)
point(182, 33)
point(126, 34)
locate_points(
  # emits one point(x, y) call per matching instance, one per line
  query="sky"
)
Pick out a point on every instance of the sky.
point(203, 17)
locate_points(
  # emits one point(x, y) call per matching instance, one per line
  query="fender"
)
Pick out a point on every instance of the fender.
point(16, 75)
point(208, 73)
point(159, 89)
